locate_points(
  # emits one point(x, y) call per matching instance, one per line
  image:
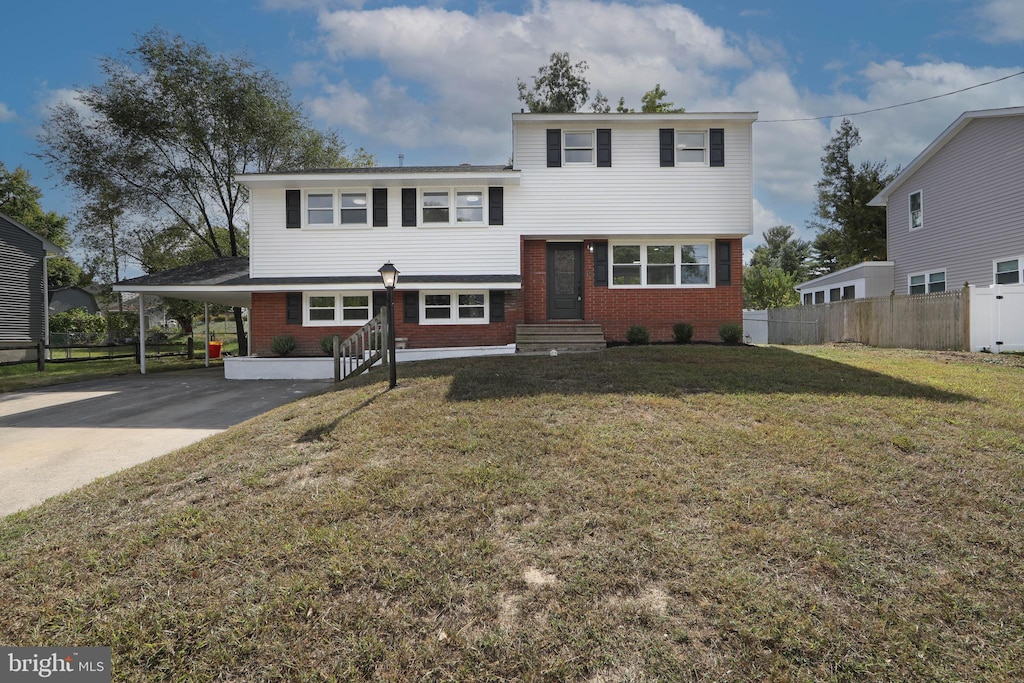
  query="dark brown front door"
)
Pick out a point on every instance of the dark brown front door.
point(565, 281)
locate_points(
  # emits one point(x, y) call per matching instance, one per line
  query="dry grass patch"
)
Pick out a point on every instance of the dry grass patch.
point(659, 513)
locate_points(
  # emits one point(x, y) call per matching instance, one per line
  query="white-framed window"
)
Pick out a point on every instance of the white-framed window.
point(661, 264)
point(1009, 272)
point(928, 283)
point(916, 210)
point(468, 203)
point(691, 146)
point(579, 147)
point(336, 308)
point(454, 308)
point(320, 208)
point(353, 208)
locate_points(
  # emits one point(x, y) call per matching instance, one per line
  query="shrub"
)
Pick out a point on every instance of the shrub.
point(731, 333)
point(327, 345)
point(638, 334)
point(79, 326)
point(122, 325)
point(682, 333)
point(282, 346)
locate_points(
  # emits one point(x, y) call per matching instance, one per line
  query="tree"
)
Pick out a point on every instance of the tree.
point(21, 200)
point(170, 127)
point(103, 237)
point(651, 102)
point(780, 250)
point(559, 87)
point(849, 231)
point(768, 287)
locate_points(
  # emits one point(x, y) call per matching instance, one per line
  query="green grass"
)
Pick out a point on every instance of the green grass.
point(646, 513)
point(27, 376)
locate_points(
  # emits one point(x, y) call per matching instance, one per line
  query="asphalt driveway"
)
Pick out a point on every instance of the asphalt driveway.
point(58, 438)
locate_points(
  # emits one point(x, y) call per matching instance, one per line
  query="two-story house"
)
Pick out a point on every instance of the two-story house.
point(955, 214)
point(24, 318)
point(609, 219)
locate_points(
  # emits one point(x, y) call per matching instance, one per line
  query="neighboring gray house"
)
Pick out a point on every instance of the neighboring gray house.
point(68, 298)
point(863, 281)
point(23, 298)
point(955, 214)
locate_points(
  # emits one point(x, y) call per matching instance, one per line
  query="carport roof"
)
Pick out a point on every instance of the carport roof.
point(227, 281)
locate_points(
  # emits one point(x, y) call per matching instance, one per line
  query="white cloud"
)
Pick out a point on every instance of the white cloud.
point(1002, 21)
point(6, 114)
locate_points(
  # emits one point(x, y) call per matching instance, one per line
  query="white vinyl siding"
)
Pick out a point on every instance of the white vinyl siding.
point(635, 196)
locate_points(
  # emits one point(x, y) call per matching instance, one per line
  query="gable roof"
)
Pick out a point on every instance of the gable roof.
point(882, 198)
point(51, 248)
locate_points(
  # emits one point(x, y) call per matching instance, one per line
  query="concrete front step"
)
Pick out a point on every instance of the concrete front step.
point(559, 337)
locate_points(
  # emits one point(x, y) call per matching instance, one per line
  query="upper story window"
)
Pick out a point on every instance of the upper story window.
point(661, 264)
point(690, 146)
point(928, 283)
point(916, 210)
point(579, 147)
point(353, 208)
point(469, 207)
point(1009, 272)
point(320, 209)
point(436, 207)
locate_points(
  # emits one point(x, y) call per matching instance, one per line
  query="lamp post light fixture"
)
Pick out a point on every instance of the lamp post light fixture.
point(389, 274)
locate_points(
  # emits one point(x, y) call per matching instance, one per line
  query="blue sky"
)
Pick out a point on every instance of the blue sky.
point(436, 81)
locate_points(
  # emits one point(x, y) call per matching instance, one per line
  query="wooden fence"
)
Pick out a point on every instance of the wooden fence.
point(920, 321)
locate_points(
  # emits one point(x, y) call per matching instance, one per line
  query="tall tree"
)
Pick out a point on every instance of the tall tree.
point(103, 236)
point(560, 87)
point(767, 286)
point(21, 200)
point(780, 250)
point(170, 127)
point(651, 102)
point(849, 231)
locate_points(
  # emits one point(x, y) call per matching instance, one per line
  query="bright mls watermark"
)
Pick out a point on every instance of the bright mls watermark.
point(79, 664)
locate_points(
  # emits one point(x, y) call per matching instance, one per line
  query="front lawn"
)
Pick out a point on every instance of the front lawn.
point(665, 513)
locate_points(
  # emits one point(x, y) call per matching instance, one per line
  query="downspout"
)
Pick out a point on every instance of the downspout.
point(142, 333)
point(46, 305)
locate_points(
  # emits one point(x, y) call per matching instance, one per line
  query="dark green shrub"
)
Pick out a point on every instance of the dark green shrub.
point(638, 334)
point(327, 345)
point(78, 326)
point(282, 346)
point(682, 333)
point(731, 333)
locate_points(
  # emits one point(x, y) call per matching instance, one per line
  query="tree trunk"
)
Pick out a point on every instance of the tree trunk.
point(243, 343)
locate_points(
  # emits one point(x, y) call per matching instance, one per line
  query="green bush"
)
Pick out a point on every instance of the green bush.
point(327, 345)
point(682, 333)
point(638, 334)
point(284, 345)
point(731, 333)
point(78, 326)
point(122, 326)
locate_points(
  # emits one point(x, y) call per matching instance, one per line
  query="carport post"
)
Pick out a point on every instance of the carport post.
point(142, 333)
point(207, 354)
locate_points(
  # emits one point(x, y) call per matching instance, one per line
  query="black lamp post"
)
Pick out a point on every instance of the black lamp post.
point(389, 274)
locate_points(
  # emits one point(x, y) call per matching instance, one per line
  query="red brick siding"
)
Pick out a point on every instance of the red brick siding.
point(268, 321)
point(657, 309)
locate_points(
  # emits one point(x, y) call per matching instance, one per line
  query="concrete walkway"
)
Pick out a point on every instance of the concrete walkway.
point(58, 438)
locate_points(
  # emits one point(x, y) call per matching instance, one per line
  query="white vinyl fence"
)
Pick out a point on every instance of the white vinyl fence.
point(997, 318)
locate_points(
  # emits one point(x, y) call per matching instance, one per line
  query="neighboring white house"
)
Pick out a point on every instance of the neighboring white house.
point(863, 281)
point(608, 219)
point(955, 214)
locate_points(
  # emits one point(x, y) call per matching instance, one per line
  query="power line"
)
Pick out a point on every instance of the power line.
point(891, 106)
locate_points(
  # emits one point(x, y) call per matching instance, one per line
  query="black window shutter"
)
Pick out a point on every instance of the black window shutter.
point(497, 306)
point(380, 207)
point(495, 206)
point(723, 265)
point(380, 300)
point(604, 147)
point(718, 147)
point(554, 147)
point(600, 264)
point(293, 308)
point(411, 307)
point(292, 209)
point(408, 206)
point(666, 143)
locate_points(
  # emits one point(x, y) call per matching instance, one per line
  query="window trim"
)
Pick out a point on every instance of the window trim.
point(910, 209)
point(453, 209)
point(453, 307)
point(677, 148)
point(339, 308)
point(676, 243)
point(592, 147)
point(927, 275)
point(336, 208)
point(1019, 271)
